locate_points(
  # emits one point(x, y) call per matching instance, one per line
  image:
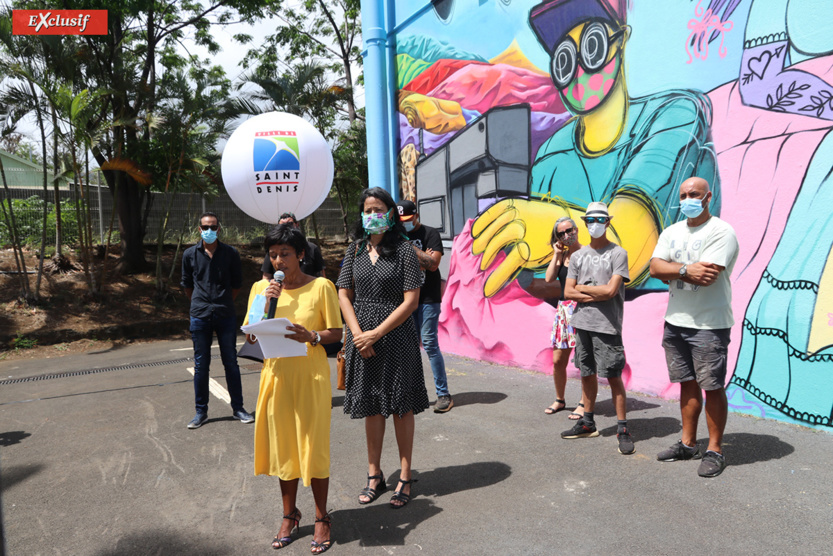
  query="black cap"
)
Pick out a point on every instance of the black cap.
point(407, 210)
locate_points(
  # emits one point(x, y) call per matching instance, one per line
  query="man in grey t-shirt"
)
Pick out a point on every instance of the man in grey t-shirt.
point(596, 280)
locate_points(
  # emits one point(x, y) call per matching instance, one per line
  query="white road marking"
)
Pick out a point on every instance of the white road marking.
point(215, 388)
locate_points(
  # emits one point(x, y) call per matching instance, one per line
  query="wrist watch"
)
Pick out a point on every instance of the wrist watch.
point(683, 271)
point(316, 340)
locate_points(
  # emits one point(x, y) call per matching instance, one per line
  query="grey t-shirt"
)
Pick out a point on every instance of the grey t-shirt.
point(593, 267)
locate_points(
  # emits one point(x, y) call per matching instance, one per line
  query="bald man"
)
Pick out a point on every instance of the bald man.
point(695, 257)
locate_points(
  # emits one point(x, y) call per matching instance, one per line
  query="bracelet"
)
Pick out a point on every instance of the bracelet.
point(316, 340)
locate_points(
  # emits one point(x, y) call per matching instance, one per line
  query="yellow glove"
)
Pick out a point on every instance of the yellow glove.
point(526, 227)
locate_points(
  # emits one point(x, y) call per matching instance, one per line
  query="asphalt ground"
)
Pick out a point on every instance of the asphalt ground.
point(102, 464)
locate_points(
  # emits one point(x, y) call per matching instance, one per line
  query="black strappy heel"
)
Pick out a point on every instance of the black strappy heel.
point(324, 546)
point(400, 496)
point(373, 493)
point(283, 542)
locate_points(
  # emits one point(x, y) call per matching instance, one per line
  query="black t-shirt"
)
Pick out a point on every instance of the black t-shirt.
point(213, 279)
point(312, 264)
point(428, 238)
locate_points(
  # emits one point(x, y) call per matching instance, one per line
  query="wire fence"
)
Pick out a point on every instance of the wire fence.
point(238, 227)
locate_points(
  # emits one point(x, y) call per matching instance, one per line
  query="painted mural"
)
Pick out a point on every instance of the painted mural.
point(513, 113)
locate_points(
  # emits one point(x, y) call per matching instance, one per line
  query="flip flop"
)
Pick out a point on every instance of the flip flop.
point(573, 416)
point(552, 411)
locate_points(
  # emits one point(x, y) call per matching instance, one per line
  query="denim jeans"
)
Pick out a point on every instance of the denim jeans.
point(202, 331)
point(427, 317)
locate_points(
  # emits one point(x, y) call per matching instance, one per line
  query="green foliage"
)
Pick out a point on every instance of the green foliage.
point(22, 342)
point(29, 217)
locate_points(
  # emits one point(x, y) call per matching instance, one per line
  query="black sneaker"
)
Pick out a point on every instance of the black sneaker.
point(197, 421)
point(581, 430)
point(625, 442)
point(680, 451)
point(712, 465)
point(243, 416)
point(444, 403)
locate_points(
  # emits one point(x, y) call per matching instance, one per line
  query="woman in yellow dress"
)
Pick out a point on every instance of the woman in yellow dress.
point(292, 421)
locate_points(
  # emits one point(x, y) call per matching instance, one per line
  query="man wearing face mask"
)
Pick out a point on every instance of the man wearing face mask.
point(596, 280)
point(212, 277)
point(429, 250)
point(696, 257)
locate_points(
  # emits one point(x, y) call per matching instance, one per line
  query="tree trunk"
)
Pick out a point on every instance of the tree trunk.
point(58, 257)
point(132, 233)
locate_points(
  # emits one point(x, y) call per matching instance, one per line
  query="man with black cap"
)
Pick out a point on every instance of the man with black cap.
point(596, 279)
point(429, 251)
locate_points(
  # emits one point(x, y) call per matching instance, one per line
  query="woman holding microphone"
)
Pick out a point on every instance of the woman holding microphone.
point(292, 421)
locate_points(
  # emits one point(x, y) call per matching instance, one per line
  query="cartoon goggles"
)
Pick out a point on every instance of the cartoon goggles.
point(591, 53)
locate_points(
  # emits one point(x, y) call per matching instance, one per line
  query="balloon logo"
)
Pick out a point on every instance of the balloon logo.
point(276, 163)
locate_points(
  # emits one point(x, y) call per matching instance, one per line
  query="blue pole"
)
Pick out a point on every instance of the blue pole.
point(374, 38)
point(393, 102)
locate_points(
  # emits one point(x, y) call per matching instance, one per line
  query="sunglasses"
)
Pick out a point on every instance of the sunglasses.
point(206, 227)
point(595, 219)
point(591, 53)
point(566, 232)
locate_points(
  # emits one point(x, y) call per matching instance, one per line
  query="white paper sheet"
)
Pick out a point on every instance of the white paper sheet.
point(271, 335)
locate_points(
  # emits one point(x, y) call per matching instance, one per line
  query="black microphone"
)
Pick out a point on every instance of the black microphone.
point(273, 302)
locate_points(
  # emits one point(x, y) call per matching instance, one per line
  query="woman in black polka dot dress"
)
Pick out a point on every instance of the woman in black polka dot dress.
point(378, 291)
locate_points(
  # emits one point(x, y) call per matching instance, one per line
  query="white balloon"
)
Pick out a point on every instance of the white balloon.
point(276, 163)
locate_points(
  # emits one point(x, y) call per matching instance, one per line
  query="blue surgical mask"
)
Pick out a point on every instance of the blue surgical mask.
point(409, 226)
point(377, 222)
point(209, 236)
point(691, 208)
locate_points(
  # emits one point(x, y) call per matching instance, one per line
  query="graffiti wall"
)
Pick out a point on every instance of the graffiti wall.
point(513, 113)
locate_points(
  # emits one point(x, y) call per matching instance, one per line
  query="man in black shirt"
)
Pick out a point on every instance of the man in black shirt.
point(212, 277)
point(429, 250)
point(312, 263)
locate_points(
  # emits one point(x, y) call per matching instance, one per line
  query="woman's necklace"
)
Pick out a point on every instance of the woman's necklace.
point(372, 253)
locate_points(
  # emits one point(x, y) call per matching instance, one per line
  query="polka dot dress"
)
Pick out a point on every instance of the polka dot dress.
point(391, 382)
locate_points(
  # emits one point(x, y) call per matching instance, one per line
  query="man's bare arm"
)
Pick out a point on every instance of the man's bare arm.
point(429, 259)
point(605, 292)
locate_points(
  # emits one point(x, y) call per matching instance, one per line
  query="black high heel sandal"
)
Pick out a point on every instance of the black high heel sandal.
point(400, 496)
point(324, 546)
point(373, 493)
point(283, 542)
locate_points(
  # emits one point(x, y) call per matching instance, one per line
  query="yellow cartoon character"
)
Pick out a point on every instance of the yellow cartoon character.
point(629, 153)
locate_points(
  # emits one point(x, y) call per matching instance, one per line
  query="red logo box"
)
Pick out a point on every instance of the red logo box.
point(59, 22)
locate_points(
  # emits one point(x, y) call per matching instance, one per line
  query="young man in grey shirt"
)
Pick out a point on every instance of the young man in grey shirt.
point(596, 280)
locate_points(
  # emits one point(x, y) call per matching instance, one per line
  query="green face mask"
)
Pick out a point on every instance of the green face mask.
point(588, 90)
point(377, 222)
